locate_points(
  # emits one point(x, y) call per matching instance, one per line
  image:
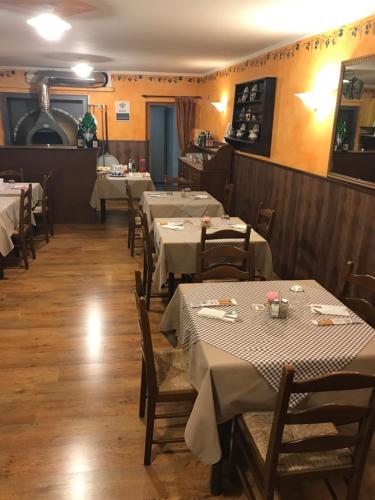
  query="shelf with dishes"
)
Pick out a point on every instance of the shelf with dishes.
point(251, 128)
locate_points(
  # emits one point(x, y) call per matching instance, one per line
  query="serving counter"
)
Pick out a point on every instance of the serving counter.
point(73, 177)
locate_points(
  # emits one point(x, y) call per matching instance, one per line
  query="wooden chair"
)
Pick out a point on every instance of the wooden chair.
point(265, 219)
point(225, 234)
point(134, 220)
point(43, 210)
point(360, 306)
point(24, 233)
point(228, 198)
point(148, 262)
point(11, 174)
point(162, 379)
point(287, 445)
point(234, 263)
point(179, 182)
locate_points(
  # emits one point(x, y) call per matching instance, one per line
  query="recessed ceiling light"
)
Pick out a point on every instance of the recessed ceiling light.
point(49, 26)
point(82, 69)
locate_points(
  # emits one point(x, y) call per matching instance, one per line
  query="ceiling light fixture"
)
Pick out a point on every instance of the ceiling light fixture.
point(49, 26)
point(82, 69)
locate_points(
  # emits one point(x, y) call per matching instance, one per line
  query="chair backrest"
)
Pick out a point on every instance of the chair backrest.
point(228, 198)
point(265, 220)
point(225, 262)
point(338, 414)
point(138, 284)
point(25, 209)
point(131, 205)
point(226, 234)
point(181, 182)
point(147, 244)
point(12, 174)
point(359, 305)
point(146, 342)
point(46, 202)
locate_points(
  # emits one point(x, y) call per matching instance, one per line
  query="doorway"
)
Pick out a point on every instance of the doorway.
point(163, 142)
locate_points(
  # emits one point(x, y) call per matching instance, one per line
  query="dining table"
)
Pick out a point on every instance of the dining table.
point(113, 187)
point(176, 241)
point(236, 364)
point(170, 204)
point(9, 213)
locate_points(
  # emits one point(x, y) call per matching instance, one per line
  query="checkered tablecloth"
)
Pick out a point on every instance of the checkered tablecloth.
point(270, 343)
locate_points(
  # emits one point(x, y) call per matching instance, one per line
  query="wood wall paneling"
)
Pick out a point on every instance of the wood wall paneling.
point(123, 150)
point(320, 223)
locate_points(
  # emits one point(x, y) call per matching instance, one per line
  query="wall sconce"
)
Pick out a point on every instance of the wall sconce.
point(221, 106)
point(309, 99)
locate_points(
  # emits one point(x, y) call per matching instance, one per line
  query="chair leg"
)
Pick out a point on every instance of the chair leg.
point(148, 290)
point(145, 276)
point(150, 420)
point(132, 240)
point(50, 223)
point(24, 251)
point(142, 396)
point(45, 227)
point(129, 229)
point(31, 242)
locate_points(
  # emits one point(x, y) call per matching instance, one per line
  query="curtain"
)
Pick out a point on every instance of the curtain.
point(185, 117)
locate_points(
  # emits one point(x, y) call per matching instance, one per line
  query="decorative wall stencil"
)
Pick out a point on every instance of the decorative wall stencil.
point(327, 40)
point(7, 73)
point(172, 79)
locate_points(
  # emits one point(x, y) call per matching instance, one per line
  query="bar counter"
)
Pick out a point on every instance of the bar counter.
point(72, 181)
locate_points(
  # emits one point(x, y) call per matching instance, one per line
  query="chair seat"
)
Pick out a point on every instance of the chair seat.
point(259, 426)
point(27, 228)
point(170, 365)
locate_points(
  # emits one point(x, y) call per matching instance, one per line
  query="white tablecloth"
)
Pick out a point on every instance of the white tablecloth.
point(176, 250)
point(9, 213)
point(114, 188)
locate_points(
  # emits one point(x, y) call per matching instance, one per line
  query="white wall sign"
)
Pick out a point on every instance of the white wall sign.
point(122, 109)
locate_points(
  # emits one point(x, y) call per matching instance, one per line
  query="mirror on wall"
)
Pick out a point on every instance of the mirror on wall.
point(353, 141)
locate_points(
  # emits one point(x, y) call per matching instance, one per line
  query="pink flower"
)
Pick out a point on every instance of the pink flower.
point(272, 296)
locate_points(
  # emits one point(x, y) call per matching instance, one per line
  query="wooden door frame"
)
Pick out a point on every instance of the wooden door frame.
point(148, 122)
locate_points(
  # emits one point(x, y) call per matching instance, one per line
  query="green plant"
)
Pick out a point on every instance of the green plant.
point(87, 123)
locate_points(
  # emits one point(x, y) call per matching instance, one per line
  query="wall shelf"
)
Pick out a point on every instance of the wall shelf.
point(260, 101)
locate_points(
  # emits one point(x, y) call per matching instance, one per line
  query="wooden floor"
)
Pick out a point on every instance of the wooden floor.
point(69, 381)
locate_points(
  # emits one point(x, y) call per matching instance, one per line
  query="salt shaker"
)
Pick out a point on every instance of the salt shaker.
point(275, 308)
point(284, 307)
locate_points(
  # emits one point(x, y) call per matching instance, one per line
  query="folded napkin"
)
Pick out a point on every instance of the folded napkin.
point(201, 196)
point(19, 186)
point(217, 314)
point(157, 195)
point(174, 227)
point(327, 309)
point(238, 226)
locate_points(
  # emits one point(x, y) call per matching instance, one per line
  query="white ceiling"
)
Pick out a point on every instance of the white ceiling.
point(171, 36)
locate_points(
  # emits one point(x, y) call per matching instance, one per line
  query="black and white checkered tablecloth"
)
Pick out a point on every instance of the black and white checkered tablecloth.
point(270, 343)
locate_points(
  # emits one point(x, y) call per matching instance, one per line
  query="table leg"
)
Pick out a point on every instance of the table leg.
point(170, 285)
point(1, 268)
point(217, 469)
point(102, 210)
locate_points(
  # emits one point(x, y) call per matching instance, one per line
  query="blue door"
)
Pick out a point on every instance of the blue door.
point(164, 149)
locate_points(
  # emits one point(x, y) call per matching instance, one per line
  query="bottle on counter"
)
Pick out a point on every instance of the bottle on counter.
point(142, 165)
point(130, 165)
point(95, 142)
point(134, 166)
point(80, 138)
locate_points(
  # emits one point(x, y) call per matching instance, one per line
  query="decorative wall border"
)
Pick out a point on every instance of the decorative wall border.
point(322, 41)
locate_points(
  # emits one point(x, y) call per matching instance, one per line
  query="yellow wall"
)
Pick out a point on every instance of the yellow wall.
point(122, 89)
point(301, 137)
